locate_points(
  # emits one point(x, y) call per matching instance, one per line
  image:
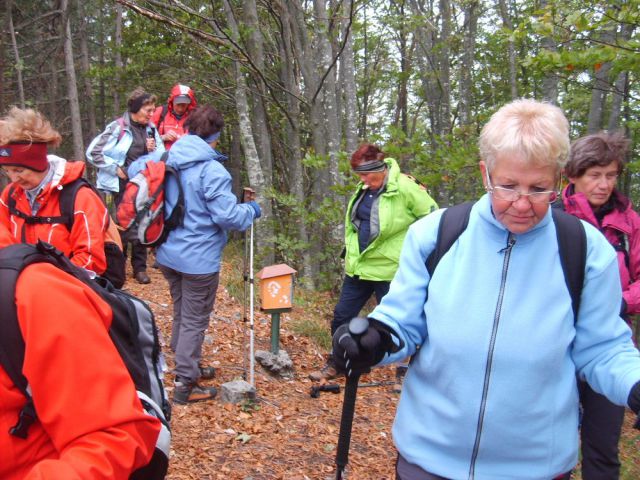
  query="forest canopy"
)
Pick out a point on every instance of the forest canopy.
point(302, 83)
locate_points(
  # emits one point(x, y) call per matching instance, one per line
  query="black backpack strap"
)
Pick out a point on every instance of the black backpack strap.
point(66, 200)
point(453, 222)
point(14, 259)
point(572, 246)
point(165, 110)
point(176, 218)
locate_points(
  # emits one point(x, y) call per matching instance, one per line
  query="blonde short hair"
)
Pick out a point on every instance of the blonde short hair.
point(27, 125)
point(536, 131)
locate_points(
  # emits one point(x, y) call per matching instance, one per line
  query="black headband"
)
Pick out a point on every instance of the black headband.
point(373, 166)
point(135, 104)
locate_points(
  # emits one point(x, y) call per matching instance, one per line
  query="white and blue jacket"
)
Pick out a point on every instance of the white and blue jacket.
point(108, 151)
point(211, 209)
point(491, 393)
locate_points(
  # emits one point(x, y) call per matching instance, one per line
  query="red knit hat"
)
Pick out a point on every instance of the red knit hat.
point(28, 155)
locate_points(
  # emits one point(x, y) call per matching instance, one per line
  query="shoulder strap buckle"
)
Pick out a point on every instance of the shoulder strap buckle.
point(26, 418)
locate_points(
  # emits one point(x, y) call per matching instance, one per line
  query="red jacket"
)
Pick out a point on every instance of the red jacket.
point(84, 244)
point(622, 219)
point(90, 422)
point(170, 122)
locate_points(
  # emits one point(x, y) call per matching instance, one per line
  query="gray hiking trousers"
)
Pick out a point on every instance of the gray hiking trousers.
point(193, 297)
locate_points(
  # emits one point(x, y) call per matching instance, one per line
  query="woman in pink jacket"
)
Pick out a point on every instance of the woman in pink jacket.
point(595, 163)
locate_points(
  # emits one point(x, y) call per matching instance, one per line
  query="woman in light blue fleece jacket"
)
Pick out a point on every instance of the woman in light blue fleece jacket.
point(190, 257)
point(491, 393)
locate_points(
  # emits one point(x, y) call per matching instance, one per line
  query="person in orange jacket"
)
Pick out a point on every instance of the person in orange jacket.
point(37, 180)
point(169, 119)
point(90, 421)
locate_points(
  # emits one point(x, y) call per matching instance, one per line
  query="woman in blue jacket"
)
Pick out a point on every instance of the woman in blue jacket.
point(190, 257)
point(491, 392)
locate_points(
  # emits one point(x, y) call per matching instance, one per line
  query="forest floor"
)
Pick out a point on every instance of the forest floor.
point(285, 433)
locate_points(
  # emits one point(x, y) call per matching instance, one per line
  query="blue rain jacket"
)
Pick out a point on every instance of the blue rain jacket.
point(211, 208)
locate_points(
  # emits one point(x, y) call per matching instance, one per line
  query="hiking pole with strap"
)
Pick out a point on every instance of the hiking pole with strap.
point(245, 295)
point(251, 332)
point(357, 326)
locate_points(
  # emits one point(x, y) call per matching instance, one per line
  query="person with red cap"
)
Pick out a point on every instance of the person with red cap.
point(90, 422)
point(30, 204)
point(170, 118)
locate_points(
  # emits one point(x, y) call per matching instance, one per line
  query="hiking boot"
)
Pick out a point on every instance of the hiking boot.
point(184, 393)
point(142, 277)
point(207, 373)
point(327, 372)
point(400, 373)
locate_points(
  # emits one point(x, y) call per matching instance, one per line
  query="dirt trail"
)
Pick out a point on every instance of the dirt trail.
point(287, 434)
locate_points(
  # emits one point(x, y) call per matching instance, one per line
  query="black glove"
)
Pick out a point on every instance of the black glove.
point(634, 403)
point(362, 344)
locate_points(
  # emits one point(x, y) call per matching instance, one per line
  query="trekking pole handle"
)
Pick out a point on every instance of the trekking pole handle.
point(357, 326)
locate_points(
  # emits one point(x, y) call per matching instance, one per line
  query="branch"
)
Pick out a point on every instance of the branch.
point(170, 21)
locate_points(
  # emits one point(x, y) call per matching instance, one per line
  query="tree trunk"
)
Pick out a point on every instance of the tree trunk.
point(72, 87)
point(400, 119)
point(85, 65)
point(364, 112)
point(259, 118)
point(117, 61)
point(294, 143)
point(620, 86)
point(53, 92)
point(466, 78)
point(16, 54)
point(617, 99)
point(551, 78)
point(348, 82)
point(258, 179)
point(445, 77)
point(511, 48)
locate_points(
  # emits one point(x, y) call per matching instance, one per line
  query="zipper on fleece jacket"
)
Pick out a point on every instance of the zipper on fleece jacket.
point(487, 373)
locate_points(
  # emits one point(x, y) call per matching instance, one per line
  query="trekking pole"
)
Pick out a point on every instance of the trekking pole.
point(357, 326)
point(251, 333)
point(245, 286)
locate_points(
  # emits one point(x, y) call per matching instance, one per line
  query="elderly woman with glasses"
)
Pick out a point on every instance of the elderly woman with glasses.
point(595, 163)
point(491, 392)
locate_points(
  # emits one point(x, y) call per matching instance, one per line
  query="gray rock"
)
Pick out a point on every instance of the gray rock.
point(237, 391)
point(279, 364)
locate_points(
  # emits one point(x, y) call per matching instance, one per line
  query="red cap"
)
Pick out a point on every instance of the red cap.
point(28, 155)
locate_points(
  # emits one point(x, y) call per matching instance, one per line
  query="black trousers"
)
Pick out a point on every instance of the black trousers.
point(353, 296)
point(599, 434)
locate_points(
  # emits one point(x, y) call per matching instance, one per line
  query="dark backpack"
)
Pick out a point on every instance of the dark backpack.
point(163, 114)
point(133, 332)
point(572, 244)
point(116, 263)
point(142, 210)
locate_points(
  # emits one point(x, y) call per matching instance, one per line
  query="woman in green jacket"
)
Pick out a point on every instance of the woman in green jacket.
point(379, 213)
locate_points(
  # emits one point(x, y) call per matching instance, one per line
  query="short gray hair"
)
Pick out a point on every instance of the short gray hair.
point(538, 131)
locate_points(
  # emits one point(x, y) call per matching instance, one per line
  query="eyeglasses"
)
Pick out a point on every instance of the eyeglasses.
point(511, 195)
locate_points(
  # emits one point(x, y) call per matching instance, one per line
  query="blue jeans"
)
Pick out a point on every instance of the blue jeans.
point(353, 296)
